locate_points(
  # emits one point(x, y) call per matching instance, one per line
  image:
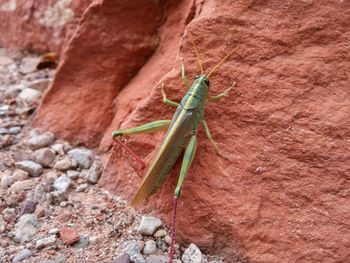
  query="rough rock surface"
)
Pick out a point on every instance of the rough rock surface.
point(39, 25)
point(281, 194)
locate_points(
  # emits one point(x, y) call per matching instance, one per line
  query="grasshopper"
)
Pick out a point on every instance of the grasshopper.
point(181, 135)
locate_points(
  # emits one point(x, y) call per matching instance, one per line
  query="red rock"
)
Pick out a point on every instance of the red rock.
point(64, 217)
point(39, 25)
point(288, 116)
point(68, 235)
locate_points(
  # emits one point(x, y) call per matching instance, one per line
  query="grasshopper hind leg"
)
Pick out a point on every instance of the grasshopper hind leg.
point(145, 128)
point(186, 163)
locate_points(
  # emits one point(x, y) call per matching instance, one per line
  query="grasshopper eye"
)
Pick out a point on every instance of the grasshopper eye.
point(197, 76)
point(207, 82)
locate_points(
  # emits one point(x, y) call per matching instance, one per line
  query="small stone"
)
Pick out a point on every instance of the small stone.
point(26, 228)
point(22, 186)
point(150, 247)
point(40, 84)
point(41, 141)
point(20, 175)
point(15, 130)
point(62, 184)
point(63, 164)
point(160, 233)
point(41, 210)
point(68, 235)
point(3, 131)
point(63, 204)
point(124, 258)
point(192, 255)
point(44, 156)
point(34, 169)
point(5, 61)
point(72, 174)
point(83, 156)
point(83, 242)
point(157, 259)
point(9, 214)
point(45, 242)
point(132, 248)
point(58, 148)
point(3, 224)
point(60, 258)
point(4, 110)
point(216, 261)
point(148, 225)
point(53, 231)
point(12, 91)
point(94, 172)
point(167, 239)
point(81, 187)
point(21, 255)
point(28, 207)
point(6, 181)
point(29, 95)
point(28, 64)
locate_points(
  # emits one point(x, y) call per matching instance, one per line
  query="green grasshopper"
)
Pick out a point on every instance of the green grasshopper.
point(181, 135)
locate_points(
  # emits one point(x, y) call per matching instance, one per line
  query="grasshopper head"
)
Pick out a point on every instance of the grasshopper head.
point(204, 80)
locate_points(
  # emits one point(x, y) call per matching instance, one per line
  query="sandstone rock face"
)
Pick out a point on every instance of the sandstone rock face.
point(39, 25)
point(281, 194)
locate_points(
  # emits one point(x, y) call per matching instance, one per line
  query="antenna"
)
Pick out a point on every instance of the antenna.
point(197, 56)
point(222, 61)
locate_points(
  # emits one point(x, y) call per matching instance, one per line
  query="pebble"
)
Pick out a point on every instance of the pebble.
point(83, 242)
point(132, 248)
point(13, 90)
point(15, 130)
point(6, 181)
point(62, 183)
point(68, 235)
point(34, 169)
point(53, 231)
point(44, 156)
point(148, 225)
point(192, 255)
point(83, 156)
point(160, 233)
point(5, 60)
point(81, 187)
point(150, 247)
point(45, 242)
point(21, 255)
point(29, 95)
point(3, 131)
point(63, 164)
point(22, 186)
point(157, 259)
point(2, 224)
point(58, 148)
point(72, 174)
point(4, 109)
point(40, 84)
point(26, 228)
point(9, 214)
point(124, 258)
point(40, 141)
point(20, 175)
point(28, 207)
point(94, 172)
point(28, 64)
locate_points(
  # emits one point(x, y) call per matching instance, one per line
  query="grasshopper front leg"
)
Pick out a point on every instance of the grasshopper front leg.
point(222, 94)
point(167, 101)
